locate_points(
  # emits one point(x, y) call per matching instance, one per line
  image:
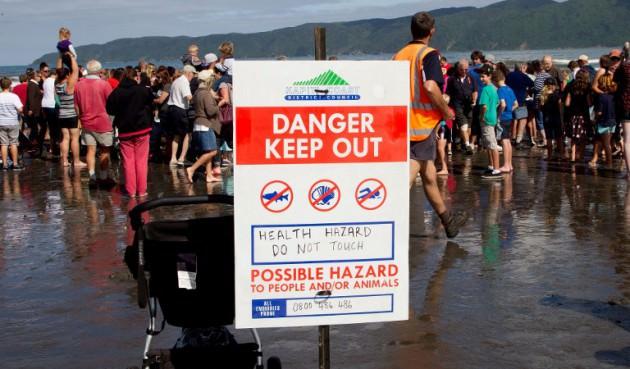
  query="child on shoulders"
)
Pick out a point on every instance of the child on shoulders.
point(64, 46)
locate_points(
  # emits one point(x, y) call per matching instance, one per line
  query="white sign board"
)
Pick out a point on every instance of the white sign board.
point(321, 192)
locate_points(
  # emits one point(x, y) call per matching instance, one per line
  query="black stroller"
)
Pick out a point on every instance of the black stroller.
point(191, 276)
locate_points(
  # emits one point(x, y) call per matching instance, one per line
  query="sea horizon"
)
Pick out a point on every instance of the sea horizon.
point(562, 55)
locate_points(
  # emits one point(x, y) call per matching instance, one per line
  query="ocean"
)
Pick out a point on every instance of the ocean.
point(562, 57)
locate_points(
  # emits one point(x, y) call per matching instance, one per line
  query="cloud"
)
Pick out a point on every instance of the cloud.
point(102, 21)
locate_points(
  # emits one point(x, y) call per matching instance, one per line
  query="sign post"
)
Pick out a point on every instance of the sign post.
point(321, 193)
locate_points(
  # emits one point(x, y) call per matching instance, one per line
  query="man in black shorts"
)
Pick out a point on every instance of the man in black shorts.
point(428, 107)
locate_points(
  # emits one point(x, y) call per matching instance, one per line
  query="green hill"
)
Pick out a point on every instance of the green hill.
point(507, 25)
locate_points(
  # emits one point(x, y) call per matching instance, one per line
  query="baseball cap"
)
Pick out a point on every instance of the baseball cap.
point(210, 58)
point(485, 69)
point(583, 57)
point(615, 53)
point(189, 68)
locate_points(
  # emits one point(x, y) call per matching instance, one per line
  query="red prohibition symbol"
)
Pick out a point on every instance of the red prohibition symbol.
point(370, 194)
point(324, 195)
point(276, 196)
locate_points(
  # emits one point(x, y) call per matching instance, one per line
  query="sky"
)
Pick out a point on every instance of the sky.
point(29, 27)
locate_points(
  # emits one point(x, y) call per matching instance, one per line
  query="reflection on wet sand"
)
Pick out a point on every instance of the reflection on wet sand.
point(547, 229)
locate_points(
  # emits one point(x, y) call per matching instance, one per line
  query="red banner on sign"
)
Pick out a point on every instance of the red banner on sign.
point(308, 135)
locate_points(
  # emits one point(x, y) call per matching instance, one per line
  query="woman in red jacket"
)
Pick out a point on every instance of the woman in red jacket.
point(130, 104)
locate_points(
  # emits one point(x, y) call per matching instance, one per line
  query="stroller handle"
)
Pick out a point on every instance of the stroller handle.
point(136, 213)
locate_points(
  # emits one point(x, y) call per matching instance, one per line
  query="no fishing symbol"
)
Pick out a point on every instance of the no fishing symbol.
point(370, 194)
point(276, 196)
point(324, 195)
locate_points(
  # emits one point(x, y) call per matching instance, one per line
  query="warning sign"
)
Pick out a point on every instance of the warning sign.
point(320, 192)
point(324, 195)
point(276, 196)
point(371, 194)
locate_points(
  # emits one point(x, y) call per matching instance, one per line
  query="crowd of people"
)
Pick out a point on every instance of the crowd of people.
point(141, 113)
point(537, 105)
point(148, 113)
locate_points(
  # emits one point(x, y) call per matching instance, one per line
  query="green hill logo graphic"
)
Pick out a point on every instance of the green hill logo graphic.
point(328, 78)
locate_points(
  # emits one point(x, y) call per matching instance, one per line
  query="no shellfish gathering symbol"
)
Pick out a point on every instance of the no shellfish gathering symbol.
point(324, 195)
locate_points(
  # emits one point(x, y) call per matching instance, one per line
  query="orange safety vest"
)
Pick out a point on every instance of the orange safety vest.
point(424, 117)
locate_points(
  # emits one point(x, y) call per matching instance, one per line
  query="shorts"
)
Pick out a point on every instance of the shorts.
point(204, 141)
point(105, 139)
point(626, 116)
point(177, 123)
point(423, 150)
point(68, 123)
point(520, 113)
point(504, 131)
point(9, 135)
point(463, 116)
point(489, 138)
point(601, 130)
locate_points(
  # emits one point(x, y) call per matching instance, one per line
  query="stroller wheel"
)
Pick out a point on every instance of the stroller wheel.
point(274, 363)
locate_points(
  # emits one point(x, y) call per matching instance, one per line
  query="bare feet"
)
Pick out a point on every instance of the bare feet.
point(443, 172)
point(189, 174)
point(172, 163)
point(66, 164)
point(80, 165)
point(592, 163)
point(212, 179)
point(506, 169)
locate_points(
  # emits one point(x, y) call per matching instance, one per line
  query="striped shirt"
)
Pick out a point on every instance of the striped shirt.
point(66, 102)
point(10, 104)
point(539, 82)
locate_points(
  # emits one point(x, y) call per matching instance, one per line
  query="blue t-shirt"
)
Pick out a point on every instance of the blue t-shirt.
point(473, 73)
point(519, 82)
point(505, 93)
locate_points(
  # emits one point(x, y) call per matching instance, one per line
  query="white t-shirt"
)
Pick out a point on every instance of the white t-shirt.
point(229, 64)
point(179, 90)
point(9, 105)
point(48, 101)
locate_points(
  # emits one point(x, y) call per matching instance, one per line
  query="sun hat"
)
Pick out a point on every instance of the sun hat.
point(583, 58)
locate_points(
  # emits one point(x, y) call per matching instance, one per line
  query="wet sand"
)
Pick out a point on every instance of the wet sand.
point(538, 278)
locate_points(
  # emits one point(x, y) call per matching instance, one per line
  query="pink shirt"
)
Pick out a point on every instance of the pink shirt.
point(90, 96)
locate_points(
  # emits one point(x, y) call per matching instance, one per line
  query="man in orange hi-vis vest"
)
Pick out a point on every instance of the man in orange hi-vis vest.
point(427, 109)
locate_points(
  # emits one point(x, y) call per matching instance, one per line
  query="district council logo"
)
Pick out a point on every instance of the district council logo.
point(327, 86)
